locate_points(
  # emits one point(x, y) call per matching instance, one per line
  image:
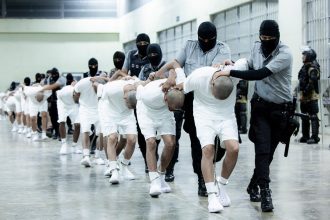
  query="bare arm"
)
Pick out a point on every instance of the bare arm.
point(170, 65)
point(51, 87)
point(119, 73)
point(76, 96)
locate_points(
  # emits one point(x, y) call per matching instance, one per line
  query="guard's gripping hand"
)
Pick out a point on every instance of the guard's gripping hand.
point(168, 84)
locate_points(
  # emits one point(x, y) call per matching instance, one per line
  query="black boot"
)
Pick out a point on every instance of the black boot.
point(315, 130)
point(313, 140)
point(169, 176)
point(266, 200)
point(254, 193)
point(201, 187)
point(303, 139)
point(304, 130)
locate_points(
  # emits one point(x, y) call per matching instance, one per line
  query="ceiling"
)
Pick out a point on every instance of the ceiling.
point(58, 8)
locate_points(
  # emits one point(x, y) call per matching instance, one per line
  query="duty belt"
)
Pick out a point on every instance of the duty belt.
point(257, 98)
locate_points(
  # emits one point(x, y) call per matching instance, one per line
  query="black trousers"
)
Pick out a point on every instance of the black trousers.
point(53, 114)
point(311, 108)
point(241, 116)
point(265, 131)
point(190, 128)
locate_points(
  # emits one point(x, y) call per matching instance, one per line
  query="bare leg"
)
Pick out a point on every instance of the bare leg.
point(76, 132)
point(130, 146)
point(151, 154)
point(44, 121)
point(99, 142)
point(34, 123)
point(207, 163)
point(228, 165)
point(121, 144)
point(19, 118)
point(28, 121)
point(111, 146)
point(85, 140)
point(167, 154)
point(11, 117)
point(62, 130)
point(105, 146)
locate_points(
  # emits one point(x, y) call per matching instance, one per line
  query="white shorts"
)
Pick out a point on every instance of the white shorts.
point(103, 109)
point(11, 104)
point(18, 107)
point(120, 125)
point(153, 127)
point(89, 117)
point(67, 111)
point(26, 106)
point(35, 108)
point(208, 129)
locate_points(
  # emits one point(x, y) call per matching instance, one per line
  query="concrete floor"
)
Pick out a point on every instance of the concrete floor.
point(37, 183)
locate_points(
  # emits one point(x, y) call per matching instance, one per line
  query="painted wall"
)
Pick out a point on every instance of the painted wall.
point(162, 14)
point(31, 46)
point(292, 31)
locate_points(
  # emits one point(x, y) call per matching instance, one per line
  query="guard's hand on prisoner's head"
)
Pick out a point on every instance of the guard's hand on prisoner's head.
point(217, 74)
point(179, 87)
point(168, 84)
point(128, 77)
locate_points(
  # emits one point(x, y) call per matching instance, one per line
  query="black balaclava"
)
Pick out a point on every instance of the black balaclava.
point(55, 74)
point(118, 59)
point(207, 31)
point(27, 81)
point(269, 28)
point(38, 77)
point(154, 59)
point(12, 86)
point(142, 49)
point(92, 62)
point(69, 79)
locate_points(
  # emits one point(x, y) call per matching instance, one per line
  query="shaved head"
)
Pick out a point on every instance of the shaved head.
point(222, 87)
point(131, 99)
point(39, 96)
point(174, 99)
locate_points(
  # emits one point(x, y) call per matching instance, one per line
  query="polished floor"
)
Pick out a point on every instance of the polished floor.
point(37, 183)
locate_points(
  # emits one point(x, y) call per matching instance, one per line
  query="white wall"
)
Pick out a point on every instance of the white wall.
point(31, 46)
point(161, 14)
point(292, 31)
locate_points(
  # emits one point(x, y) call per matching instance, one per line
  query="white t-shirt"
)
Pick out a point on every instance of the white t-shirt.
point(88, 98)
point(113, 92)
point(66, 95)
point(152, 96)
point(205, 104)
point(31, 92)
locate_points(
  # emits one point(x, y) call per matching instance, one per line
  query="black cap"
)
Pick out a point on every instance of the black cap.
point(269, 28)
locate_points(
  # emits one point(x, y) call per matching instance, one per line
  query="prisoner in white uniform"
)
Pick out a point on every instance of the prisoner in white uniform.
point(88, 114)
point(67, 107)
point(156, 119)
point(214, 101)
point(119, 120)
point(37, 103)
